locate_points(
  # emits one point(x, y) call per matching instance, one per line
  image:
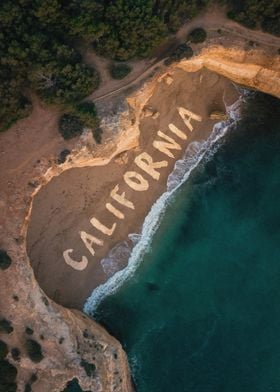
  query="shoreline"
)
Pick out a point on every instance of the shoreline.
point(153, 219)
point(94, 234)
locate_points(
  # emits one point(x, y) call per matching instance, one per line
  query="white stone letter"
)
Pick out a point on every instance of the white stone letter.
point(145, 162)
point(177, 132)
point(136, 181)
point(114, 211)
point(88, 240)
point(76, 265)
point(120, 198)
point(104, 229)
point(164, 147)
point(187, 113)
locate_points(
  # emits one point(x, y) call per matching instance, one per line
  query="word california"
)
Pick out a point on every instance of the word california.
point(118, 203)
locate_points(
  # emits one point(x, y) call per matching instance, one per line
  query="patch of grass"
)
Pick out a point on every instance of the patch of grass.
point(5, 260)
point(119, 71)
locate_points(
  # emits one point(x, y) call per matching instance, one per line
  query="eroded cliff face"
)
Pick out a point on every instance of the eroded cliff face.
point(253, 69)
point(74, 346)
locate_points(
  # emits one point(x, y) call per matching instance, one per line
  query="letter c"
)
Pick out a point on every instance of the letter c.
point(76, 265)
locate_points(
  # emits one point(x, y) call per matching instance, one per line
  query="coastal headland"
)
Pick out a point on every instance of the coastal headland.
point(82, 214)
point(32, 172)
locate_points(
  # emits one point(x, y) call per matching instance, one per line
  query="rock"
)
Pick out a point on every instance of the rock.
point(218, 115)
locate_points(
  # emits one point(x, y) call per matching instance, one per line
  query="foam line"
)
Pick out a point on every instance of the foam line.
point(195, 153)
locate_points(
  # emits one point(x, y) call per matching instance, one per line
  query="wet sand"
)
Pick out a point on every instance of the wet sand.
point(65, 206)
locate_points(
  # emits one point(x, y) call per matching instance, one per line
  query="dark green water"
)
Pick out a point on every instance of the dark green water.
point(202, 313)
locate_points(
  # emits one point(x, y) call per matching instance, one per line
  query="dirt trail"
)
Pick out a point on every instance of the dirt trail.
point(211, 20)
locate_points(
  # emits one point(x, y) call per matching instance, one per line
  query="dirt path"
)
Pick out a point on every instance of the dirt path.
point(211, 20)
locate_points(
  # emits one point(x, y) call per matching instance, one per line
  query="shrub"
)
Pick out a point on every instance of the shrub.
point(8, 374)
point(6, 326)
point(87, 113)
point(97, 134)
point(5, 260)
point(29, 331)
point(119, 71)
point(197, 35)
point(182, 51)
point(70, 126)
point(62, 156)
point(73, 386)
point(15, 353)
point(34, 350)
point(3, 349)
point(89, 368)
point(27, 388)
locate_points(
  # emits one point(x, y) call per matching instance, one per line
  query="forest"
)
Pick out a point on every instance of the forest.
point(40, 41)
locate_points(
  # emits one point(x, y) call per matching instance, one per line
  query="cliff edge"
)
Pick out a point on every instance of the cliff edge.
point(69, 346)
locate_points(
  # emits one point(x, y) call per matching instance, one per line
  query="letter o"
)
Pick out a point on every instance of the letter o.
point(136, 181)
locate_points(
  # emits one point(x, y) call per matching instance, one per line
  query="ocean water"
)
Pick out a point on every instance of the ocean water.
point(201, 313)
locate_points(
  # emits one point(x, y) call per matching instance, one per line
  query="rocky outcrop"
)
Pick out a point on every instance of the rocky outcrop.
point(254, 68)
point(73, 345)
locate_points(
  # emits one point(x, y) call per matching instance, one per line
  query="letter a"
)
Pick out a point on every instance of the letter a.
point(187, 113)
point(76, 265)
point(88, 240)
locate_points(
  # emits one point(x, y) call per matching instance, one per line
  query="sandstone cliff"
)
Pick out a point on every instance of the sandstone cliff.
point(74, 346)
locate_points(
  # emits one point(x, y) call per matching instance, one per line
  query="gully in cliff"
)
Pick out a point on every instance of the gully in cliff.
point(138, 182)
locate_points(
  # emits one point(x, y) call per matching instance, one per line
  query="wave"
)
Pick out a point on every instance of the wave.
point(195, 153)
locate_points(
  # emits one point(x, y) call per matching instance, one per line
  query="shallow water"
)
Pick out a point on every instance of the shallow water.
point(202, 312)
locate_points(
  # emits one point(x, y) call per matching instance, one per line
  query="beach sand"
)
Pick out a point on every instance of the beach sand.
point(63, 208)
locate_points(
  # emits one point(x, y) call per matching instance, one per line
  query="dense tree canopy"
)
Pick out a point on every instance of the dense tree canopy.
point(254, 13)
point(39, 41)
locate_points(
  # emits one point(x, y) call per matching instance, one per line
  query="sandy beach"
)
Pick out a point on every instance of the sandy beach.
point(77, 201)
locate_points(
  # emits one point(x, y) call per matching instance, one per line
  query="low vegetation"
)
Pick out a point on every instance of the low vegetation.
point(3, 349)
point(256, 13)
point(89, 368)
point(119, 71)
point(34, 350)
point(197, 36)
point(29, 331)
point(6, 326)
point(15, 353)
point(39, 52)
point(183, 51)
point(5, 260)
point(8, 374)
point(80, 116)
point(73, 386)
point(70, 126)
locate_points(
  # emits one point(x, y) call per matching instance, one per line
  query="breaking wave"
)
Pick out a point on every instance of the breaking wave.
point(195, 153)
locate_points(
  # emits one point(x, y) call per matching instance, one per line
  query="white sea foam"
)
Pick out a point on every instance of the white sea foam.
point(195, 153)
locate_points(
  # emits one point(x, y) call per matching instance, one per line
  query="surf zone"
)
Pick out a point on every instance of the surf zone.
point(139, 181)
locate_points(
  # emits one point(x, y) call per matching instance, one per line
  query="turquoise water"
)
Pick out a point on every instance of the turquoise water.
point(202, 312)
